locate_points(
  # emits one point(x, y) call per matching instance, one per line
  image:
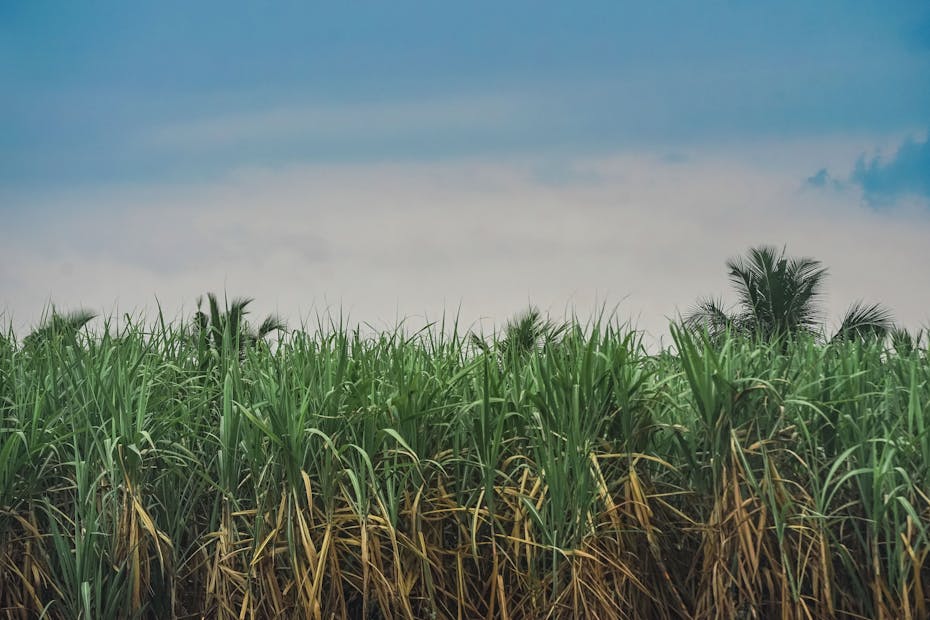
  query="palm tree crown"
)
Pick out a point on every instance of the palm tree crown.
point(229, 327)
point(779, 296)
point(65, 326)
point(526, 332)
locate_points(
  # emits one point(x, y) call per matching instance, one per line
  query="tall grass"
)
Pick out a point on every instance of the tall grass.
point(144, 473)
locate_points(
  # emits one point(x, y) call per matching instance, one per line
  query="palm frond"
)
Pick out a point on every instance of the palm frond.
point(865, 321)
point(65, 326)
point(529, 331)
point(272, 323)
point(710, 316)
point(905, 342)
point(201, 322)
point(235, 315)
point(478, 342)
point(239, 304)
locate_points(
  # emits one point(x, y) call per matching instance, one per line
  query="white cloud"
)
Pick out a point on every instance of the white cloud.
point(391, 240)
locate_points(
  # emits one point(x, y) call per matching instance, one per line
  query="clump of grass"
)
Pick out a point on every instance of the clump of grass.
point(148, 473)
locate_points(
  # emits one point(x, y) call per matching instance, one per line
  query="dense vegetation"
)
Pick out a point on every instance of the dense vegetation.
point(173, 470)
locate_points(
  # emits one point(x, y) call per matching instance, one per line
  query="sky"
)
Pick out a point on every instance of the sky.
point(409, 159)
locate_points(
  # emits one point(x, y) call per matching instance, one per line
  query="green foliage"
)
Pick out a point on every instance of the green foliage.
point(557, 470)
point(865, 322)
point(778, 297)
point(526, 333)
point(224, 330)
point(62, 327)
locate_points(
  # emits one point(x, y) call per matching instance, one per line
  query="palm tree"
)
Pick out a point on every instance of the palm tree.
point(529, 332)
point(64, 326)
point(228, 328)
point(779, 296)
point(906, 342)
point(523, 334)
point(865, 322)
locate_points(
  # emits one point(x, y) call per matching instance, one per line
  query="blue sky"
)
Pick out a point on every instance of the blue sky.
point(106, 104)
point(89, 87)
